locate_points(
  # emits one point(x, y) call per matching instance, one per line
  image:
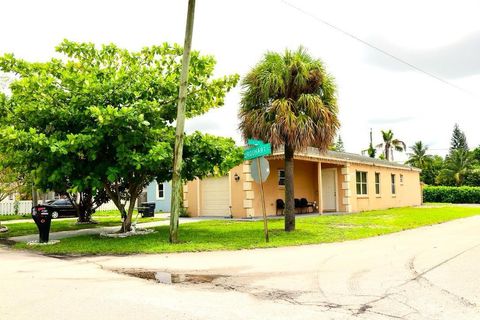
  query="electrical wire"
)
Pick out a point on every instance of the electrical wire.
point(374, 47)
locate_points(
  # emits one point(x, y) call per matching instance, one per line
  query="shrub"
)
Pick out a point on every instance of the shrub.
point(451, 194)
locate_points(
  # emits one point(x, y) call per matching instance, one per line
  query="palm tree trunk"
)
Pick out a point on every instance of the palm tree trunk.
point(289, 190)
point(177, 196)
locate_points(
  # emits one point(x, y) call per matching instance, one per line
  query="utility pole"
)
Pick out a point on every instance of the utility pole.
point(177, 196)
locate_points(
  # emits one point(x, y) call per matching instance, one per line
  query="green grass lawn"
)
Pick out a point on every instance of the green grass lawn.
point(232, 235)
point(14, 217)
point(26, 228)
point(107, 213)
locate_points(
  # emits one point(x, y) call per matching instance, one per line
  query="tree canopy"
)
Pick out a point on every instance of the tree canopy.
point(103, 118)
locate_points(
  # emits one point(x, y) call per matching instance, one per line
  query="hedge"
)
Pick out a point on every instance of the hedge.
point(451, 194)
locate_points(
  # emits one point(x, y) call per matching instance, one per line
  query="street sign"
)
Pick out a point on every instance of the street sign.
point(254, 142)
point(258, 151)
point(263, 172)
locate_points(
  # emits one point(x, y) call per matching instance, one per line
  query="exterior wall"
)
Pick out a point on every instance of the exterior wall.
point(161, 204)
point(191, 197)
point(305, 185)
point(241, 189)
point(408, 193)
point(245, 198)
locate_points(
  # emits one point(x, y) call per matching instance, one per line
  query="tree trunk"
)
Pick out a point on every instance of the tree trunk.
point(289, 190)
point(85, 206)
point(177, 196)
point(126, 222)
point(34, 196)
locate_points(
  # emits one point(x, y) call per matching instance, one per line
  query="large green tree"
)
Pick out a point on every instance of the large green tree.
point(102, 118)
point(419, 158)
point(429, 174)
point(390, 144)
point(456, 167)
point(290, 101)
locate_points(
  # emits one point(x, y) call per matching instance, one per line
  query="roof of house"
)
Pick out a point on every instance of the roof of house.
point(346, 158)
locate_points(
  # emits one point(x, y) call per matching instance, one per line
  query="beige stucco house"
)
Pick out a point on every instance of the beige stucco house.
point(331, 181)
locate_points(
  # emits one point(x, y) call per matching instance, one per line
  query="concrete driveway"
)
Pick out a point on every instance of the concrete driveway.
point(426, 273)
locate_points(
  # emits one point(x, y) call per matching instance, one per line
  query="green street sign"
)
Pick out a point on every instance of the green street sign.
point(254, 142)
point(258, 151)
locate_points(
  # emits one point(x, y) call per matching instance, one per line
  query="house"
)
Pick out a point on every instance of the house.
point(160, 193)
point(331, 182)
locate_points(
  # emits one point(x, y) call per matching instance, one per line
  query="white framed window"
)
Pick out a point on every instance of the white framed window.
point(361, 183)
point(281, 177)
point(377, 183)
point(161, 191)
point(394, 189)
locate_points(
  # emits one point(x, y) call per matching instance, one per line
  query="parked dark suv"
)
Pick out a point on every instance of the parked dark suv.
point(61, 208)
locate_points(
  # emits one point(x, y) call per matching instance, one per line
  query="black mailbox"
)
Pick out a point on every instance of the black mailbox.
point(42, 215)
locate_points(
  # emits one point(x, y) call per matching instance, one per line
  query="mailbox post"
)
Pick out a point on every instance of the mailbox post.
point(42, 216)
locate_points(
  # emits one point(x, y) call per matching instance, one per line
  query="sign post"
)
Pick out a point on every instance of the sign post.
point(261, 173)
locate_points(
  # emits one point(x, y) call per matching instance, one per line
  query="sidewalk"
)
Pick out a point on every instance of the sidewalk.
point(93, 231)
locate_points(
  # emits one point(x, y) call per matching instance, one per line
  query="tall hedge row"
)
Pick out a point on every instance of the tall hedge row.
point(451, 194)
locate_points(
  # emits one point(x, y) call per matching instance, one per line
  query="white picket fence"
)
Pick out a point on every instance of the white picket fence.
point(25, 207)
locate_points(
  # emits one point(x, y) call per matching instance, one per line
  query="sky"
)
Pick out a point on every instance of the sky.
point(420, 99)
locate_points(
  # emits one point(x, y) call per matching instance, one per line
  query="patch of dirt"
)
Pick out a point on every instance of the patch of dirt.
point(7, 242)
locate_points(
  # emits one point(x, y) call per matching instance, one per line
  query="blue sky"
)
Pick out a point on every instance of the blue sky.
point(375, 91)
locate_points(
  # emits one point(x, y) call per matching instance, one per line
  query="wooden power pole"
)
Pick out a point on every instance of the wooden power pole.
point(177, 196)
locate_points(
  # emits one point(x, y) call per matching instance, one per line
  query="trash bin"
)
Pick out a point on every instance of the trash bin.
point(147, 209)
point(42, 215)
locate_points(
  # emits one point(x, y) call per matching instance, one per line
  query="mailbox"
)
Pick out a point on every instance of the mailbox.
point(42, 215)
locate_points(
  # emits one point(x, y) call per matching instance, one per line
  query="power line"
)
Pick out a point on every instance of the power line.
point(374, 47)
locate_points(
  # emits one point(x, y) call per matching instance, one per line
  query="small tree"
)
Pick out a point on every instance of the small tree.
point(101, 118)
point(459, 140)
point(430, 173)
point(290, 101)
point(371, 151)
point(338, 146)
point(390, 144)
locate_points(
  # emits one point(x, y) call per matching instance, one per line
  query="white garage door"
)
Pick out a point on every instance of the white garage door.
point(215, 197)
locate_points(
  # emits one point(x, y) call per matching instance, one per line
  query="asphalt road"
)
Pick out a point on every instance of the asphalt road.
point(426, 273)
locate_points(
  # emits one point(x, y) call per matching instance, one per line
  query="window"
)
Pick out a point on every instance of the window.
point(393, 184)
point(377, 182)
point(361, 182)
point(161, 191)
point(281, 177)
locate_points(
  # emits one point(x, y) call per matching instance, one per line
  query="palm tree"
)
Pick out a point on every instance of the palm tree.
point(389, 144)
point(289, 100)
point(457, 165)
point(419, 158)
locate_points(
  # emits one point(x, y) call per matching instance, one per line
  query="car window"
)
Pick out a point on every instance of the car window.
point(61, 202)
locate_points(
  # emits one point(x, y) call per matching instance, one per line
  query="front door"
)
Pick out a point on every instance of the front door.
point(329, 189)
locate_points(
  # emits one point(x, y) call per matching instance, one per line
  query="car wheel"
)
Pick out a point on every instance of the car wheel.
point(54, 215)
